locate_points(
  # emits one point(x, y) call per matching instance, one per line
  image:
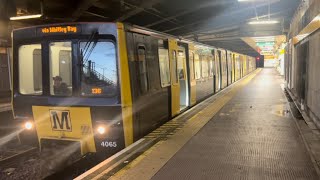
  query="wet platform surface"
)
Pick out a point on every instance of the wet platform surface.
point(253, 136)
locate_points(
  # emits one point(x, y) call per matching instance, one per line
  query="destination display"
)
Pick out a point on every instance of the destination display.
point(58, 30)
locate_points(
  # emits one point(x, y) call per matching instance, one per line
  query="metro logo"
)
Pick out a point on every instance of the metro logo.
point(60, 120)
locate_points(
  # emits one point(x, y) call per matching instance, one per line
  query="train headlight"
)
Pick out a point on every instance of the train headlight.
point(28, 125)
point(101, 130)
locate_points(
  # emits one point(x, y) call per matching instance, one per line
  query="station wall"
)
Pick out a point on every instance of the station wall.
point(302, 60)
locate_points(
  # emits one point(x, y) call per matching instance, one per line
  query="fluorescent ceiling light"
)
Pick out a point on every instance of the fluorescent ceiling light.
point(248, 0)
point(263, 22)
point(25, 17)
point(265, 38)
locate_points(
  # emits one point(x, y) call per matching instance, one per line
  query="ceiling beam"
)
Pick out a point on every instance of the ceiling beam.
point(188, 11)
point(138, 9)
point(241, 35)
point(239, 13)
point(95, 14)
point(83, 6)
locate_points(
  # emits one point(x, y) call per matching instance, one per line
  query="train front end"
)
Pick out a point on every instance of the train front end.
point(66, 87)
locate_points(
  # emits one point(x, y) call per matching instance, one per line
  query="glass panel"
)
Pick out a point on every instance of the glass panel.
point(142, 70)
point(30, 69)
point(164, 67)
point(192, 73)
point(210, 66)
point(181, 60)
point(197, 67)
point(204, 68)
point(224, 63)
point(175, 67)
point(60, 68)
point(99, 70)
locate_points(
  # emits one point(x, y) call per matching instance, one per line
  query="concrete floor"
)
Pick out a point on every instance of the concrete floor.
point(253, 136)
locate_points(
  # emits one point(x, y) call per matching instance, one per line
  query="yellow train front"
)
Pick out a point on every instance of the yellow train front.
point(98, 87)
point(67, 88)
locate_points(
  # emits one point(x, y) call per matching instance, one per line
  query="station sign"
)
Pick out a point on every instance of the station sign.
point(267, 53)
point(266, 47)
point(58, 30)
point(263, 44)
point(269, 57)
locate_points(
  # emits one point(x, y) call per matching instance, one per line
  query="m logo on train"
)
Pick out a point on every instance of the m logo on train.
point(60, 120)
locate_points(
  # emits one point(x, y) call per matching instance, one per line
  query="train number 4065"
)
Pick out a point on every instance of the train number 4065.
point(109, 144)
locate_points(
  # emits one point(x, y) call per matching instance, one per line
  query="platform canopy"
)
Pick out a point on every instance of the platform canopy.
point(222, 23)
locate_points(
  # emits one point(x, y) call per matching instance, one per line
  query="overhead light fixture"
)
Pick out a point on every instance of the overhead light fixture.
point(25, 17)
point(263, 22)
point(248, 0)
point(32, 16)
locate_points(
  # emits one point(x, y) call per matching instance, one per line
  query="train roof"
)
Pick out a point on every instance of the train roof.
point(143, 30)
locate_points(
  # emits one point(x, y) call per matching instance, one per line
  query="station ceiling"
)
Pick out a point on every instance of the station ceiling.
point(222, 23)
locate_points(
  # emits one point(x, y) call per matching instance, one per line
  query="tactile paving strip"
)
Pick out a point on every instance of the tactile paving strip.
point(252, 137)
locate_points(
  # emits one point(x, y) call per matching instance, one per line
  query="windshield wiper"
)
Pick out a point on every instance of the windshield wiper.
point(85, 52)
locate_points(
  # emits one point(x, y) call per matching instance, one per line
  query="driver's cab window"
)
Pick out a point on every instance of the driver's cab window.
point(60, 59)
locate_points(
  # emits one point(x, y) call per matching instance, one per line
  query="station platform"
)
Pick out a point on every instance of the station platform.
point(245, 132)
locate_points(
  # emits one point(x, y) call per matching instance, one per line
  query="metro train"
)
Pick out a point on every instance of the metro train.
point(103, 86)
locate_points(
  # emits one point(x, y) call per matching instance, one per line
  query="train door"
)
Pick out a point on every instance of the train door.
point(217, 76)
point(234, 67)
point(248, 64)
point(238, 67)
point(220, 69)
point(175, 86)
point(183, 78)
point(245, 65)
point(212, 71)
point(192, 76)
point(241, 66)
point(224, 73)
point(229, 68)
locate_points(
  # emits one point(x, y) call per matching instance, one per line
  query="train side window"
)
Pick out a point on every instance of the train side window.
point(30, 69)
point(211, 66)
point(204, 66)
point(192, 69)
point(60, 68)
point(197, 67)
point(181, 60)
point(224, 60)
point(142, 69)
point(175, 77)
point(164, 67)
